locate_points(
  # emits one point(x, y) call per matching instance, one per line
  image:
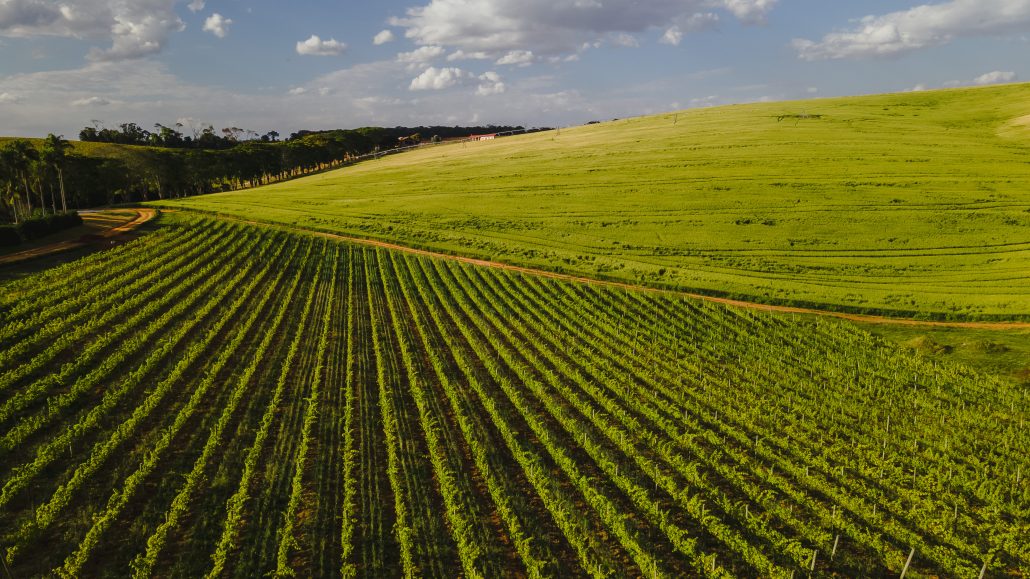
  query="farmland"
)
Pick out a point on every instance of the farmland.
point(224, 399)
point(912, 205)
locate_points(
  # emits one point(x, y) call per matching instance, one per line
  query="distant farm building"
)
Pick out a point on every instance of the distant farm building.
point(489, 137)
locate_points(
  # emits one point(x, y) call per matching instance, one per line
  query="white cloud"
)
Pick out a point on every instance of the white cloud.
point(708, 101)
point(8, 98)
point(462, 55)
point(94, 101)
point(383, 37)
point(517, 58)
point(297, 91)
point(141, 91)
point(995, 77)
point(919, 27)
point(196, 5)
point(134, 29)
point(693, 23)
point(556, 26)
point(315, 46)
point(218, 25)
point(324, 91)
point(490, 84)
point(752, 11)
point(421, 55)
point(673, 36)
point(144, 91)
point(438, 78)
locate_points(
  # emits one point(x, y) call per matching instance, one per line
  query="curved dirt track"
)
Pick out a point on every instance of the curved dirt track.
point(622, 285)
point(143, 215)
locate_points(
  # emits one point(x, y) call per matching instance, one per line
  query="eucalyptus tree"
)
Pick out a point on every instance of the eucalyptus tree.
point(54, 155)
point(19, 155)
point(7, 180)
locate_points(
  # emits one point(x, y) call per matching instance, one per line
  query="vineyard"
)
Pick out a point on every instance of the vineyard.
point(219, 399)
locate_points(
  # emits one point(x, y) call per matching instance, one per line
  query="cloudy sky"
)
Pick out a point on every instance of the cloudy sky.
point(270, 64)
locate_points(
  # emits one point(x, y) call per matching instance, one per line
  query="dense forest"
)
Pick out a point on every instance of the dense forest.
point(131, 164)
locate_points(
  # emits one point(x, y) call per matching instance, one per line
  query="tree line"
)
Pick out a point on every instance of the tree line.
point(130, 164)
point(173, 137)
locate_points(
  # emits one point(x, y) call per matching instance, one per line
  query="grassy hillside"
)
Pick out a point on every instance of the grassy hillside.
point(217, 399)
point(107, 150)
point(914, 204)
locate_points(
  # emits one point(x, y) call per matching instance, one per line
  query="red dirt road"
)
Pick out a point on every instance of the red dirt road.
point(577, 279)
point(142, 216)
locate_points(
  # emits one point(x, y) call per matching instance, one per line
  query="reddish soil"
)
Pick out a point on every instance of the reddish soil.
point(142, 216)
point(868, 319)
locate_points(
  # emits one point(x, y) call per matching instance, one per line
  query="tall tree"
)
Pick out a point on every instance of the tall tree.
point(54, 154)
point(7, 180)
point(20, 158)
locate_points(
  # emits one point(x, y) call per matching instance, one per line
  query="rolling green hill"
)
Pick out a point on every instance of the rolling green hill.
point(913, 204)
point(129, 154)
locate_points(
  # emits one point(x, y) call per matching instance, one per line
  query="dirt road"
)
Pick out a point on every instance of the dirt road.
point(621, 285)
point(95, 219)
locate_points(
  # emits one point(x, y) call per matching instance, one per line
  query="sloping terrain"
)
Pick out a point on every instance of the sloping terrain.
point(913, 204)
point(230, 400)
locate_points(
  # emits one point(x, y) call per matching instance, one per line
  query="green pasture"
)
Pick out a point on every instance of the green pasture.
point(913, 204)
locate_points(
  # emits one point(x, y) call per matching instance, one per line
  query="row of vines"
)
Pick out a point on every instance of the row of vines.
point(216, 399)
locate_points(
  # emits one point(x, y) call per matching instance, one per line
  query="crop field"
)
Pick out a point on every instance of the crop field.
point(218, 399)
point(911, 204)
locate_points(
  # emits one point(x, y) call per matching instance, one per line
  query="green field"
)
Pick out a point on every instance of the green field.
point(230, 400)
point(911, 204)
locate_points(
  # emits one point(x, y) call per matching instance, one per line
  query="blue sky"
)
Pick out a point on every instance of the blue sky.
point(315, 64)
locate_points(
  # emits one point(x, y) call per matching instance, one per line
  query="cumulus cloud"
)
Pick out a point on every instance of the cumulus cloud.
point(693, 23)
point(462, 55)
point(196, 5)
point(134, 29)
point(94, 101)
point(8, 98)
point(433, 79)
point(383, 37)
point(995, 77)
point(920, 27)
point(315, 46)
point(297, 91)
point(420, 57)
point(517, 58)
point(218, 25)
point(552, 27)
point(438, 78)
point(673, 36)
point(145, 91)
point(752, 11)
point(490, 84)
